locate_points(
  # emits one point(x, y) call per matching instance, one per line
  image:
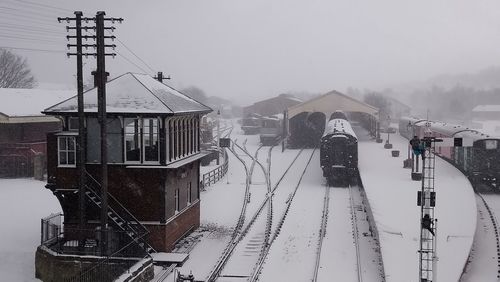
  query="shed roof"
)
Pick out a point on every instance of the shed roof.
point(486, 108)
point(330, 102)
point(17, 102)
point(134, 93)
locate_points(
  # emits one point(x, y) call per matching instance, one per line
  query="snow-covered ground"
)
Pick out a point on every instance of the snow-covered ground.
point(392, 196)
point(296, 244)
point(23, 202)
point(391, 193)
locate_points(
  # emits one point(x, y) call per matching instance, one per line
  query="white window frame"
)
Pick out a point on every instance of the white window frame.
point(143, 146)
point(125, 141)
point(67, 150)
point(196, 135)
point(167, 140)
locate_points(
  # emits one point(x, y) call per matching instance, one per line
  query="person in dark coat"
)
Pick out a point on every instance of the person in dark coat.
point(427, 223)
point(417, 147)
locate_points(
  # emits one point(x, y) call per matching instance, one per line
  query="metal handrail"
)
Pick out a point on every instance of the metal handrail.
point(96, 269)
point(129, 214)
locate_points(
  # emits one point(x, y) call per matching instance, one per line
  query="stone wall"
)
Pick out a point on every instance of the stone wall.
point(53, 267)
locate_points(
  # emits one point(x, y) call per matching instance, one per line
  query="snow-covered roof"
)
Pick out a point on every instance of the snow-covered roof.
point(486, 108)
point(331, 101)
point(29, 102)
point(339, 126)
point(134, 93)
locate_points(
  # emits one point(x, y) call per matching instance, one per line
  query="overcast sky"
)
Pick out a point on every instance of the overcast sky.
point(250, 50)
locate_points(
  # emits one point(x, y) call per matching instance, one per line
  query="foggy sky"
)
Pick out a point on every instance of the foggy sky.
point(250, 50)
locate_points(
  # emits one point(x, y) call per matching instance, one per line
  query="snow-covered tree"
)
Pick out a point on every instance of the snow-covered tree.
point(14, 71)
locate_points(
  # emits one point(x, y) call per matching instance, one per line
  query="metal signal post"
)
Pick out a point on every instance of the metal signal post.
point(426, 199)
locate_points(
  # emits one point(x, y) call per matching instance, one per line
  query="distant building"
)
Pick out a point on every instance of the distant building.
point(272, 106)
point(153, 136)
point(23, 129)
point(486, 112)
point(398, 109)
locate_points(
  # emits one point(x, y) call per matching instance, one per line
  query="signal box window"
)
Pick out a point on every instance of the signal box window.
point(66, 147)
point(132, 140)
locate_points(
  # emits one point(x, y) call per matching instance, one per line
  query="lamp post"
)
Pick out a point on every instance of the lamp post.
point(218, 135)
point(388, 145)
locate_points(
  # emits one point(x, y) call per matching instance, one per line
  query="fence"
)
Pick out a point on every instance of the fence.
point(50, 229)
point(121, 254)
point(216, 174)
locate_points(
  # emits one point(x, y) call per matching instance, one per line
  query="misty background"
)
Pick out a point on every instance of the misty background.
point(421, 52)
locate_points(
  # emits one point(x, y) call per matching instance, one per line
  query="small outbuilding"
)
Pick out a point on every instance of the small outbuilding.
point(486, 112)
point(23, 129)
point(272, 106)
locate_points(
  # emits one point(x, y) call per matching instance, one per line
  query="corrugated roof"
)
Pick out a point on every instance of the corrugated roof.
point(134, 93)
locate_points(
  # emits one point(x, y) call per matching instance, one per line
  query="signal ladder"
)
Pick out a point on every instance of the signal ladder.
point(426, 199)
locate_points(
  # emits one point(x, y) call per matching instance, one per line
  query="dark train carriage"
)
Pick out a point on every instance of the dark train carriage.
point(339, 152)
point(271, 130)
point(338, 115)
point(481, 162)
point(251, 124)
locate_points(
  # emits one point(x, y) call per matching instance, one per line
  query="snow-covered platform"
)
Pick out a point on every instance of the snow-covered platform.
point(393, 199)
point(166, 258)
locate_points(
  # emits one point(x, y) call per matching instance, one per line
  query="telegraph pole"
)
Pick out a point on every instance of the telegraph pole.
point(100, 76)
point(81, 145)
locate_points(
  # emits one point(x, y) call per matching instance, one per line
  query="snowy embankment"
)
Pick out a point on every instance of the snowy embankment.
point(483, 265)
point(23, 202)
point(392, 196)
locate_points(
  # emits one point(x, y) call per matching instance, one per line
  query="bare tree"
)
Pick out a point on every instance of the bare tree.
point(14, 71)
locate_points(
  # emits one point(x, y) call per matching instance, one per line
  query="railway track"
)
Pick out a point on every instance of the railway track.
point(494, 224)
point(355, 234)
point(322, 232)
point(256, 225)
point(259, 265)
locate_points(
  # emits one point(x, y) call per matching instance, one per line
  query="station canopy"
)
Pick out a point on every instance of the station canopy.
point(331, 102)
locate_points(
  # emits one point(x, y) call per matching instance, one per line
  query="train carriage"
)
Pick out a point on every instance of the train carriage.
point(339, 152)
point(479, 162)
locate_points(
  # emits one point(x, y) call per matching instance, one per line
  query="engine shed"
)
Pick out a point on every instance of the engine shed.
point(306, 121)
point(153, 151)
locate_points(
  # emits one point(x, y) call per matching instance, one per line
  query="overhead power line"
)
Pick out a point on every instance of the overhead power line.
point(44, 5)
point(133, 53)
point(28, 38)
point(32, 49)
point(128, 60)
point(31, 29)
